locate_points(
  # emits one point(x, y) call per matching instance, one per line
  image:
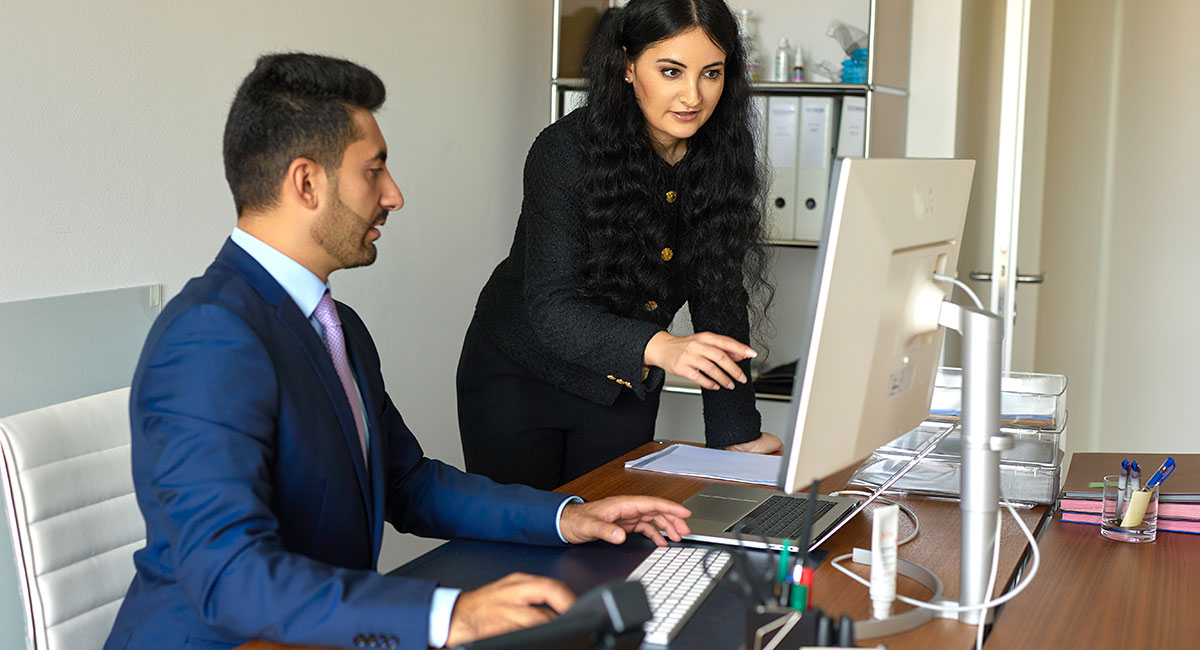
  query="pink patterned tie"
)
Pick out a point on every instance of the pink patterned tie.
point(327, 316)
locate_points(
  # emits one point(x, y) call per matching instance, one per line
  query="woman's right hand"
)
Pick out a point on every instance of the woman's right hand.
point(710, 360)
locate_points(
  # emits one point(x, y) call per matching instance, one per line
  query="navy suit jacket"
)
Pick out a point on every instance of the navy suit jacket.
point(262, 520)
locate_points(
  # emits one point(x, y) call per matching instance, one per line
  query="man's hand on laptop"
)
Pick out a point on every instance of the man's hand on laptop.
point(610, 519)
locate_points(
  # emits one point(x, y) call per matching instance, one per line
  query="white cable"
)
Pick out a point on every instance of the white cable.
point(1035, 562)
point(991, 580)
point(961, 285)
point(903, 508)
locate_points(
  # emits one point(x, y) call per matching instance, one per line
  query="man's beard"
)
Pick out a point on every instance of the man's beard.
point(342, 233)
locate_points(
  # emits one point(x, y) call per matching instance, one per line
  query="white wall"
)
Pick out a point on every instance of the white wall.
point(1075, 202)
point(111, 117)
point(1150, 355)
point(933, 78)
point(1119, 309)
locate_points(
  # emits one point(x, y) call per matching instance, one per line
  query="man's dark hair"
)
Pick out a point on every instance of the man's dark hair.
point(292, 106)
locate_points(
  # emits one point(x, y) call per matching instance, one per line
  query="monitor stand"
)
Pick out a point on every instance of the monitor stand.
point(979, 499)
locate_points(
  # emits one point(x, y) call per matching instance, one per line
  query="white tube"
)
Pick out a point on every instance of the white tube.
point(883, 560)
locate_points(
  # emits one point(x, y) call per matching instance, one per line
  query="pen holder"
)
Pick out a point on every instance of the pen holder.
point(1127, 515)
point(771, 626)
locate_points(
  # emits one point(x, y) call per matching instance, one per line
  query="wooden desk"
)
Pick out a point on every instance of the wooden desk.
point(1093, 592)
point(936, 548)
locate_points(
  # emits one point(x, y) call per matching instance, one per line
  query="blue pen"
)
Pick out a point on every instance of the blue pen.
point(1135, 477)
point(1163, 472)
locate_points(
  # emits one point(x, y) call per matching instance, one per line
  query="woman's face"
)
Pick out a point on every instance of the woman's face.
point(677, 82)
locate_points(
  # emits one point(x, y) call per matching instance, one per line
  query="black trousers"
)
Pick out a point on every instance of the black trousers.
point(516, 428)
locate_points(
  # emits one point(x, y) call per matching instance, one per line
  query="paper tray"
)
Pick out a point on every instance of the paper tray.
point(1027, 400)
point(1028, 483)
point(1030, 446)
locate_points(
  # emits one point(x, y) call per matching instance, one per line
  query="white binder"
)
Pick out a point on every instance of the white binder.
point(783, 136)
point(759, 130)
point(852, 128)
point(818, 119)
point(573, 99)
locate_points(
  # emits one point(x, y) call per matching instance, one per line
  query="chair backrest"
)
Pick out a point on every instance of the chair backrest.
point(73, 516)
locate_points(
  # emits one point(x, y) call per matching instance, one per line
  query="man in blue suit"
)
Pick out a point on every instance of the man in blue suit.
point(266, 452)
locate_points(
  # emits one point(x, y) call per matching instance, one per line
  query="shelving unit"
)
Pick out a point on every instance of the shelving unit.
point(888, 23)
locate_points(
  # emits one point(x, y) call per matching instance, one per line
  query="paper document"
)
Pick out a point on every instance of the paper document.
point(703, 462)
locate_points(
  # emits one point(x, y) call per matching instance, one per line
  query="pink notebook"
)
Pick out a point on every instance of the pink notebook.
point(1165, 525)
point(1173, 510)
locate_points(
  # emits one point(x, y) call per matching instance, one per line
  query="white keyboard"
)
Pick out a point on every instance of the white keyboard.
point(676, 580)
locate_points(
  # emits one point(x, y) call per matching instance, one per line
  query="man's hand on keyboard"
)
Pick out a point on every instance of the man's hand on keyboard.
point(610, 519)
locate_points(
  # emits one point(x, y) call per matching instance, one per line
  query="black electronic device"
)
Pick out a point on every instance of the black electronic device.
point(609, 617)
point(769, 626)
point(777, 380)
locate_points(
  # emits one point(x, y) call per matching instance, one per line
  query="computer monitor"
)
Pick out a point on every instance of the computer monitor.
point(875, 341)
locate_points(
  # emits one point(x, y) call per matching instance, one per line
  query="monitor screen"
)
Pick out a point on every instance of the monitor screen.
point(874, 342)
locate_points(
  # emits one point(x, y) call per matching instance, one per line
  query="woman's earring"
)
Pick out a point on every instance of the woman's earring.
point(626, 79)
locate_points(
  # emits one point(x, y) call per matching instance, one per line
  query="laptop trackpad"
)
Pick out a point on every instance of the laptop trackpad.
point(723, 509)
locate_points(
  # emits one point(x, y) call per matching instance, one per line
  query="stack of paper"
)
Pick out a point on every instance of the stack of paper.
point(720, 464)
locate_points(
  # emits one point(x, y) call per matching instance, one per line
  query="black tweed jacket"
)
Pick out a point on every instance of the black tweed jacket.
point(532, 310)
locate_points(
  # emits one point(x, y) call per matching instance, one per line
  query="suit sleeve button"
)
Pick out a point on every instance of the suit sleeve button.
point(651, 305)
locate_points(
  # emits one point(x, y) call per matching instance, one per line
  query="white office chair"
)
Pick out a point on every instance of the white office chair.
point(73, 517)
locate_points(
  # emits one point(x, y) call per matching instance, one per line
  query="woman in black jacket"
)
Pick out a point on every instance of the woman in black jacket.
point(646, 198)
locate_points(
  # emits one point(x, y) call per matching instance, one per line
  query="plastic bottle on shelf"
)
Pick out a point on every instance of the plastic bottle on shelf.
point(754, 65)
point(854, 69)
point(783, 61)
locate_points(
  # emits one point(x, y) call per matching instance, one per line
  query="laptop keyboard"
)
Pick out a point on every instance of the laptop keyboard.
point(778, 516)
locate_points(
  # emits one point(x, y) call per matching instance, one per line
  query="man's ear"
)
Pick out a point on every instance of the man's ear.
point(305, 183)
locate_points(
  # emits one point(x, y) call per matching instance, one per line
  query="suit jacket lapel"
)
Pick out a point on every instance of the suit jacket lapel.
point(318, 356)
point(310, 342)
point(375, 449)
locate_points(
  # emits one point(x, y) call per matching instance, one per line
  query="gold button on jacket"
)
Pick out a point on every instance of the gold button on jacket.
point(672, 195)
point(651, 305)
point(667, 254)
point(620, 381)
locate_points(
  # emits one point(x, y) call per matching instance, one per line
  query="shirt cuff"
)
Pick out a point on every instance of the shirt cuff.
point(440, 609)
point(558, 517)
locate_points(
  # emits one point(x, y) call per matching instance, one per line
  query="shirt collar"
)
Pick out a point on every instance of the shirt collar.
point(302, 285)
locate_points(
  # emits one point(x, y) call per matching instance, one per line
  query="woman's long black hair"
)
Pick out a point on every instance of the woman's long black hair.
point(721, 185)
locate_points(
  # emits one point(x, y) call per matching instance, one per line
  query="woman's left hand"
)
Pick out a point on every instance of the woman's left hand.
point(764, 444)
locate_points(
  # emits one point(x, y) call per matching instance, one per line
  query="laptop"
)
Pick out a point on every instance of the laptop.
point(757, 517)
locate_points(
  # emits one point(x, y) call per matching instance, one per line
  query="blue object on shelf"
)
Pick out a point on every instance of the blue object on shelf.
point(854, 69)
